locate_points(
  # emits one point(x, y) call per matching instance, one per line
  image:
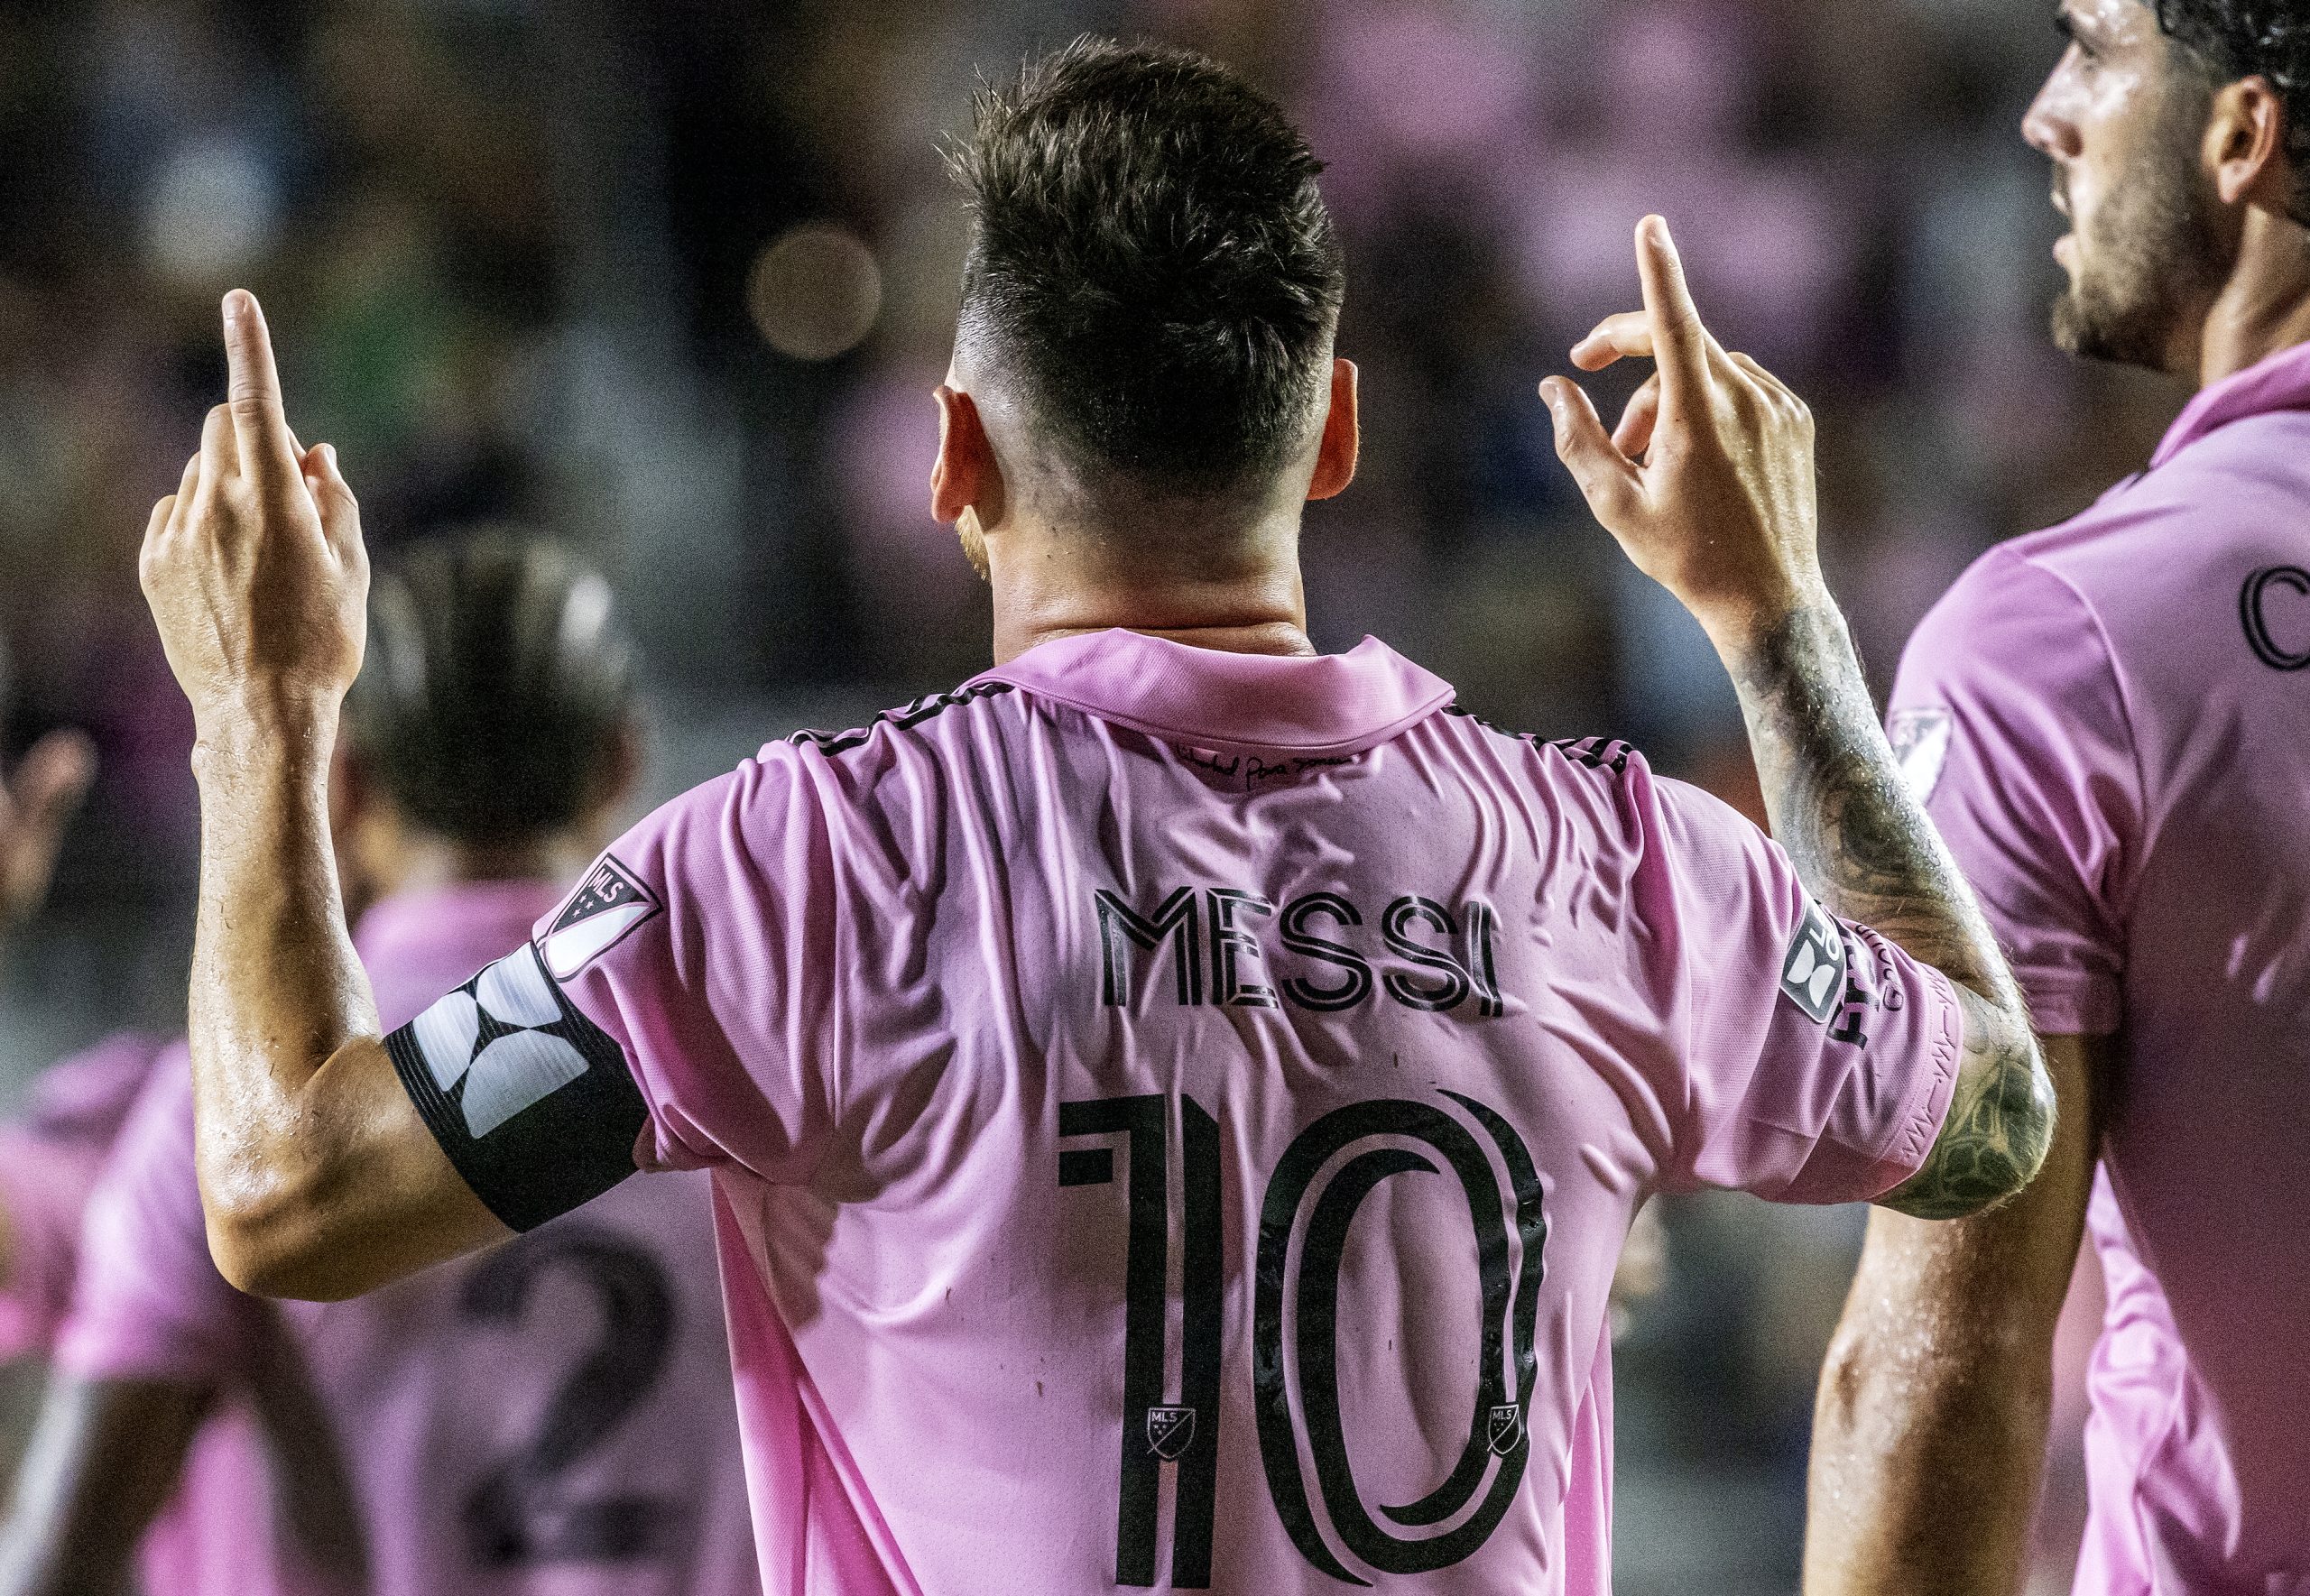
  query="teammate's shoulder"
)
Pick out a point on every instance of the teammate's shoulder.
point(88, 1094)
point(2012, 591)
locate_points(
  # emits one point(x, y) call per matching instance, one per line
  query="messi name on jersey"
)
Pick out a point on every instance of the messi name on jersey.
point(1319, 950)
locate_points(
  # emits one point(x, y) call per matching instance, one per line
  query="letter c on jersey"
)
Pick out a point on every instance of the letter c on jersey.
point(2253, 611)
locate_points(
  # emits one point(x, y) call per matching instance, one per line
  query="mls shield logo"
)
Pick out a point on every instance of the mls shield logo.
point(1813, 974)
point(612, 901)
point(1504, 1428)
point(1169, 1431)
point(1920, 740)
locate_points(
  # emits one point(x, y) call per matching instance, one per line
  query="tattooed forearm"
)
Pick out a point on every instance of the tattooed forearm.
point(1866, 849)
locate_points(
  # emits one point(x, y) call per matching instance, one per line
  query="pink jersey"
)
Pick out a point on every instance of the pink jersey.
point(1175, 1113)
point(50, 1161)
point(2111, 721)
point(50, 1156)
point(554, 1416)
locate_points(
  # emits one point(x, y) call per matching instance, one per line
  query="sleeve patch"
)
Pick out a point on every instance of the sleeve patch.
point(531, 1100)
point(1812, 975)
point(1920, 740)
point(609, 903)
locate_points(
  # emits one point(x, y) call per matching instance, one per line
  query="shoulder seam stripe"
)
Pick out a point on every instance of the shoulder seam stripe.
point(905, 718)
point(1595, 753)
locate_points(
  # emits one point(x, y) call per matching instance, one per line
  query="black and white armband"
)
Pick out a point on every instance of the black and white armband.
point(533, 1103)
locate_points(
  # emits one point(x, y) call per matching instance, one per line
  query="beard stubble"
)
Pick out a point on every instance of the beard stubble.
point(2151, 259)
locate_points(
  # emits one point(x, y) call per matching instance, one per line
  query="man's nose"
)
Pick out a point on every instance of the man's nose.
point(2046, 128)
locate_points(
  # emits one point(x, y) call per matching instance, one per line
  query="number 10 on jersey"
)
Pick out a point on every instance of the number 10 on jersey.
point(1482, 1483)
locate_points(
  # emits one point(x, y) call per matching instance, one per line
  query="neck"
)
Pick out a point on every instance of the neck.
point(2265, 305)
point(1246, 599)
point(423, 862)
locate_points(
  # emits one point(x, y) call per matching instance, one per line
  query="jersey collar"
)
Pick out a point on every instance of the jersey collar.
point(2280, 382)
point(1319, 705)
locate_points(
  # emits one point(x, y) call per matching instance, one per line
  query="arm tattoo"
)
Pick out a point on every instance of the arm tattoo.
point(1863, 845)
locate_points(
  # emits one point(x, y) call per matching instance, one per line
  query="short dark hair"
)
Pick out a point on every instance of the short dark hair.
point(2269, 39)
point(495, 687)
point(1152, 257)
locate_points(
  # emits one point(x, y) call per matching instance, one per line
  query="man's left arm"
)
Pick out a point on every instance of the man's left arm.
point(1929, 1432)
point(318, 1175)
point(1934, 1404)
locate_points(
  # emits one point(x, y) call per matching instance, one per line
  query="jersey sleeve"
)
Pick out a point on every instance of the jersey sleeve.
point(1818, 1058)
point(149, 1304)
point(670, 1013)
point(2010, 723)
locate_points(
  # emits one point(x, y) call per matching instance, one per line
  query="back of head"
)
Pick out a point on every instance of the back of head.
point(2268, 39)
point(1152, 266)
point(495, 687)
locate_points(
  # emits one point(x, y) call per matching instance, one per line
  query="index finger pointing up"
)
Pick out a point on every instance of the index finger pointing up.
point(253, 391)
point(1679, 342)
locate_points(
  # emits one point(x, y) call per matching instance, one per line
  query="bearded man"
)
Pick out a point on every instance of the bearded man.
point(2109, 724)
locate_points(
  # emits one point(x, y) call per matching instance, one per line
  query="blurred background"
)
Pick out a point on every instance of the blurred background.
point(674, 280)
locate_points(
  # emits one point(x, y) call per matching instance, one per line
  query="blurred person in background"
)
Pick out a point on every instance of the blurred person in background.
point(2110, 723)
point(910, 989)
point(51, 1149)
point(51, 1153)
point(497, 1426)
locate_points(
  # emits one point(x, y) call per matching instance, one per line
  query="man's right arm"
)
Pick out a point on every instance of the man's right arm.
point(1708, 486)
point(104, 1454)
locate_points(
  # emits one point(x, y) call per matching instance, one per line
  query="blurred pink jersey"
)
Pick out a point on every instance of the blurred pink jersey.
point(51, 1158)
point(554, 1416)
point(2111, 723)
point(1175, 1113)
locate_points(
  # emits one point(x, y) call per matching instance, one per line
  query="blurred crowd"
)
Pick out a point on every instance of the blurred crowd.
point(673, 281)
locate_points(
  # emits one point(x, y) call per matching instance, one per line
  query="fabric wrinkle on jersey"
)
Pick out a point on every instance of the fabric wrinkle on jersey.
point(2109, 724)
point(553, 1416)
point(1175, 1113)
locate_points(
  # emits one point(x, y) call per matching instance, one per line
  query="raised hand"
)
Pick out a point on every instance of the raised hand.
point(1708, 481)
point(36, 801)
point(254, 567)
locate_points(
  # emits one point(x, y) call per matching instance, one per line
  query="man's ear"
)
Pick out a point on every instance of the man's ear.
point(1335, 455)
point(2245, 145)
point(967, 476)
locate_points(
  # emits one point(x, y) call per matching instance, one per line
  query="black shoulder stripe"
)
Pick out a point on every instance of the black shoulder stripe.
point(912, 714)
point(1594, 754)
point(533, 1103)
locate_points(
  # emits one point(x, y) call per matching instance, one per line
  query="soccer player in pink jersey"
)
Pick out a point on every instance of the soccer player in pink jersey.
point(499, 1426)
point(1175, 1101)
point(2110, 723)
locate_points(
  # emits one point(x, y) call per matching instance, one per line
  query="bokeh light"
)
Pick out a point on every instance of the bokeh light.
point(815, 291)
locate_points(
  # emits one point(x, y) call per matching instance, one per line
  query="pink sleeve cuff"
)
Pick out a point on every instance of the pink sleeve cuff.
point(1918, 1125)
